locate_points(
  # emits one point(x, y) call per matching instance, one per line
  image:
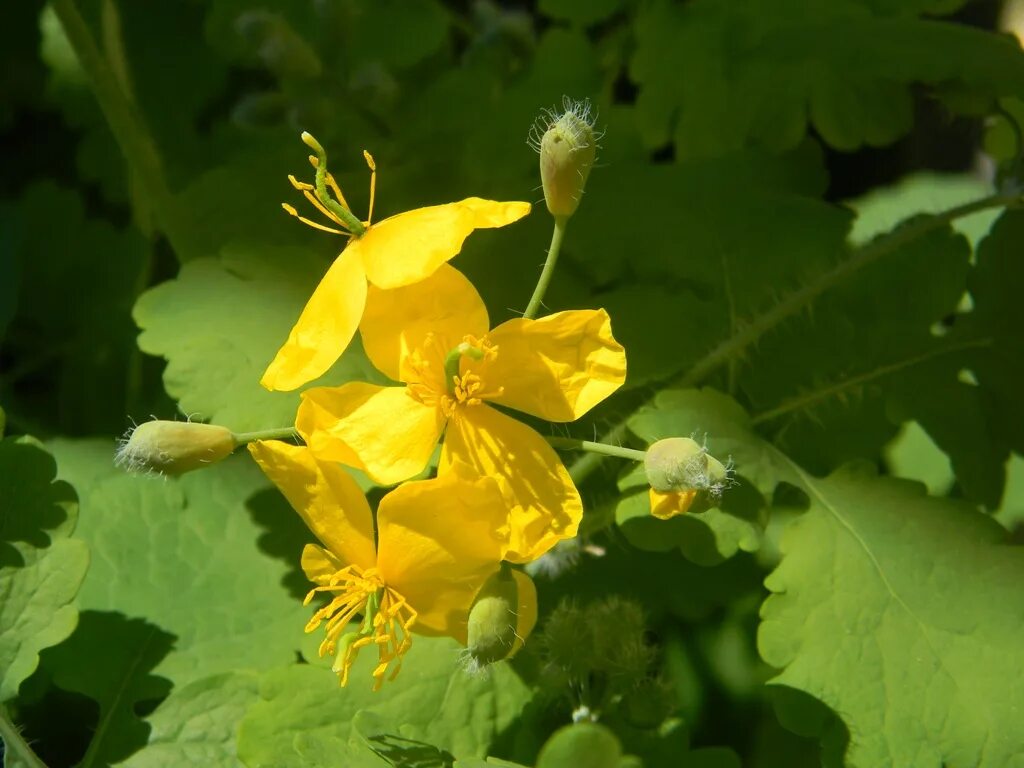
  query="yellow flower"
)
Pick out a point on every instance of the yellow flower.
point(397, 251)
point(433, 336)
point(438, 542)
point(671, 503)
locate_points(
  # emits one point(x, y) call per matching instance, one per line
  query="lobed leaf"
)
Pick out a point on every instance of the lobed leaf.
point(900, 612)
point(41, 566)
point(219, 324)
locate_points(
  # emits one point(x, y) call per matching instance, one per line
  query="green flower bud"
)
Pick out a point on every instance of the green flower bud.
point(682, 464)
point(174, 447)
point(502, 617)
point(568, 147)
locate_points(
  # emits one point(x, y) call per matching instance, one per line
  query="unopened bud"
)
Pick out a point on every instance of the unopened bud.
point(567, 146)
point(682, 464)
point(502, 617)
point(174, 447)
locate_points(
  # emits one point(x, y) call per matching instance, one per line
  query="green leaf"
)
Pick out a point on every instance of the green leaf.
point(490, 762)
point(706, 537)
point(764, 79)
point(884, 208)
point(70, 346)
point(110, 658)
point(182, 555)
point(587, 744)
point(219, 324)
point(41, 567)
point(197, 724)
point(901, 613)
point(443, 705)
point(431, 702)
point(395, 33)
point(583, 12)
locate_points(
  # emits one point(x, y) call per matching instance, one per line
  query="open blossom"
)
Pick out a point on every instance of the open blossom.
point(397, 251)
point(434, 337)
point(438, 542)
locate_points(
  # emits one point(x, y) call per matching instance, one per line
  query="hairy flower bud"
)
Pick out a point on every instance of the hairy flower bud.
point(174, 447)
point(567, 146)
point(682, 464)
point(502, 617)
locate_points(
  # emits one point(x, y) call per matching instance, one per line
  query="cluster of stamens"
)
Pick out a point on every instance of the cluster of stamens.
point(387, 621)
point(336, 208)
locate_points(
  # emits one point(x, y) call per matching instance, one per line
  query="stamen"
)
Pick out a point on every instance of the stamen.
point(373, 183)
point(387, 621)
point(337, 191)
point(320, 207)
point(291, 210)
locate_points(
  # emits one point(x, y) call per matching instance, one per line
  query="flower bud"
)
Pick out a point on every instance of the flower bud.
point(502, 617)
point(174, 447)
point(676, 464)
point(567, 146)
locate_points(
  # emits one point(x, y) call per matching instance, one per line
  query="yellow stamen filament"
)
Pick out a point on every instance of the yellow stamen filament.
point(291, 210)
point(373, 184)
point(309, 192)
point(389, 628)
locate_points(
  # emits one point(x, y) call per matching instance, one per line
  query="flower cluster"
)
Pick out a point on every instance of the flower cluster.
point(501, 496)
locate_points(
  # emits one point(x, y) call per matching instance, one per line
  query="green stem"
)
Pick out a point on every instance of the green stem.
point(16, 746)
point(549, 268)
point(127, 125)
point(589, 446)
point(795, 302)
point(282, 433)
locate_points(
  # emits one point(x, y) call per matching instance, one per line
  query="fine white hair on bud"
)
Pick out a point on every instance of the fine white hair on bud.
point(567, 144)
point(173, 447)
point(681, 463)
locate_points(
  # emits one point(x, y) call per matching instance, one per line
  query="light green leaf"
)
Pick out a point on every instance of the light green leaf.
point(902, 613)
point(581, 744)
point(443, 705)
point(219, 324)
point(490, 762)
point(431, 702)
point(884, 208)
point(302, 701)
point(183, 555)
point(197, 724)
point(41, 568)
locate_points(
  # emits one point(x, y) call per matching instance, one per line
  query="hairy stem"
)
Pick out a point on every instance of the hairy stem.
point(549, 268)
point(135, 141)
point(17, 748)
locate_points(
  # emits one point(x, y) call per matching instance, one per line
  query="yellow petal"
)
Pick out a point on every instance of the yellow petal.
point(439, 542)
point(398, 320)
point(383, 431)
point(325, 496)
point(318, 564)
point(546, 506)
point(408, 247)
point(325, 327)
point(556, 368)
point(526, 611)
point(666, 505)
